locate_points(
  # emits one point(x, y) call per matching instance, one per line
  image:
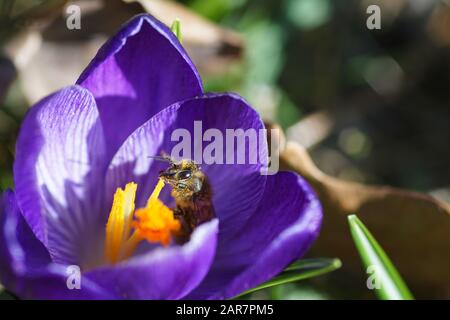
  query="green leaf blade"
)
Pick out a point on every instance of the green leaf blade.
point(300, 270)
point(392, 286)
point(176, 29)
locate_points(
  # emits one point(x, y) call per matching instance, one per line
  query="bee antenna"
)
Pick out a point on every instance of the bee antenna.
point(161, 158)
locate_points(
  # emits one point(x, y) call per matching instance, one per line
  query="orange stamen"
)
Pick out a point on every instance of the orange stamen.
point(154, 223)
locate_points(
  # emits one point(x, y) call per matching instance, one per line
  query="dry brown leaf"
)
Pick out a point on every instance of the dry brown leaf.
point(438, 25)
point(48, 56)
point(412, 227)
point(7, 75)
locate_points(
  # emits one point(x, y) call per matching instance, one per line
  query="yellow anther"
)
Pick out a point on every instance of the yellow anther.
point(154, 223)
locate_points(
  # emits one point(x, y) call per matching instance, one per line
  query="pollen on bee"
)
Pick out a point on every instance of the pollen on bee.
point(127, 227)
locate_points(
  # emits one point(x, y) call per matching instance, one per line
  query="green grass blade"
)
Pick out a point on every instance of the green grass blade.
point(5, 295)
point(300, 270)
point(390, 284)
point(176, 28)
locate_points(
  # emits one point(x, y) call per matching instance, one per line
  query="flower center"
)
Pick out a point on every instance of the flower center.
point(127, 227)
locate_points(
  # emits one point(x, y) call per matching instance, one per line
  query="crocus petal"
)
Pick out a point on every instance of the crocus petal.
point(19, 248)
point(58, 171)
point(237, 188)
point(278, 233)
point(137, 73)
point(52, 282)
point(163, 273)
point(25, 265)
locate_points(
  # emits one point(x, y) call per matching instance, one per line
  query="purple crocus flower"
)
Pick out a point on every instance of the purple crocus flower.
point(79, 146)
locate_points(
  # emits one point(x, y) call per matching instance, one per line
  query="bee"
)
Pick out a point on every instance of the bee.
point(192, 193)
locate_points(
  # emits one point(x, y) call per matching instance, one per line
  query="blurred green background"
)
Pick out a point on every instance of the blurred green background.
point(371, 106)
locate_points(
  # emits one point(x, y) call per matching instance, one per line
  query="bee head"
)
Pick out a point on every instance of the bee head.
point(183, 177)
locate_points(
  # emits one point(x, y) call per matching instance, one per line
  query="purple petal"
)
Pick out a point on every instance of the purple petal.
point(58, 171)
point(163, 273)
point(137, 73)
point(282, 228)
point(19, 248)
point(237, 188)
point(51, 283)
point(25, 264)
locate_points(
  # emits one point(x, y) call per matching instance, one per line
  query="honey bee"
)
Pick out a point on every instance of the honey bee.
point(192, 193)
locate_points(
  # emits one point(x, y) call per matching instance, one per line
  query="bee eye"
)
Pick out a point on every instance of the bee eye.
point(185, 174)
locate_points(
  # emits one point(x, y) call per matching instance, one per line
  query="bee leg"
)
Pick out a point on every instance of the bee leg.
point(184, 234)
